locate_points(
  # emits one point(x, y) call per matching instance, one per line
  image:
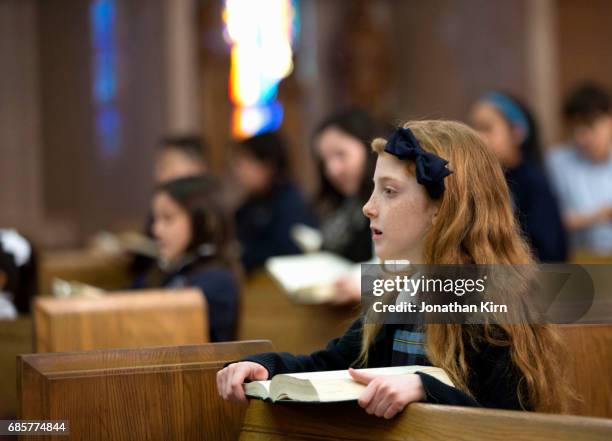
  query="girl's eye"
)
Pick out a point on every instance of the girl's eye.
point(389, 191)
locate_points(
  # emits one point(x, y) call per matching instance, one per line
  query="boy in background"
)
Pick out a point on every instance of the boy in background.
point(581, 170)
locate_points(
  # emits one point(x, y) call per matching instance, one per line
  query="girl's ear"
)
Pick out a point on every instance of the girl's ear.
point(435, 209)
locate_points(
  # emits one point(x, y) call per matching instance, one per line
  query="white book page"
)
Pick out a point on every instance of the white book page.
point(304, 271)
point(344, 374)
point(396, 370)
point(252, 387)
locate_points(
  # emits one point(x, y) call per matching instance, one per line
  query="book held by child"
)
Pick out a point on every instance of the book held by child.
point(327, 386)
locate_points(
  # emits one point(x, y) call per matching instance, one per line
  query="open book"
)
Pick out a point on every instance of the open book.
point(308, 278)
point(72, 288)
point(327, 386)
point(129, 241)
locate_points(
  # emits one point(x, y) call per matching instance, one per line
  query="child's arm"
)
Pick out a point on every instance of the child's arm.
point(439, 393)
point(338, 355)
point(578, 221)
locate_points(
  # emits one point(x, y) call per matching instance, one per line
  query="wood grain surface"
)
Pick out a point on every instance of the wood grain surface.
point(590, 350)
point(162, 393)
point(120, 320)
point(102, 270)
point(419, 422)
point(268, 313)
point(15, 338)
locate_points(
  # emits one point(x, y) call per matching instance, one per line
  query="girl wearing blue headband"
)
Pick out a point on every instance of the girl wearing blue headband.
point(509, 131)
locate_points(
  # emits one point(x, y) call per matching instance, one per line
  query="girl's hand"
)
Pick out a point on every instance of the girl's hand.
point(230, 379)
point(346, 291)
point(387, 395)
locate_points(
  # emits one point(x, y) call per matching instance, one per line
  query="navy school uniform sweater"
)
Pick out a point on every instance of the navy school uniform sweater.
point(493, 381)
point(218, 283)
point(538, 212)
point(263, 224)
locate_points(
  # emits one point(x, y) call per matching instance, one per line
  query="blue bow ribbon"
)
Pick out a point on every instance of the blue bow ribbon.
point(430, 168)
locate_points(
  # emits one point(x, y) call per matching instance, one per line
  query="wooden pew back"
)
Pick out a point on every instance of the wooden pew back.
point(120, 320)
point(419, 422)
point(589, 257)
point(267, 312)
point(163, 393)
point(590, 346)
point(15, 338)
point(590, 351)
point(105, 271)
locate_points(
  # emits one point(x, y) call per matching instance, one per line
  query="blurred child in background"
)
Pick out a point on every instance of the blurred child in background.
point(581, 169)
point(196, 242)
point(18, 274)
point(180, 156)
point(273, 204)
point(510, 132)
point(346, 167)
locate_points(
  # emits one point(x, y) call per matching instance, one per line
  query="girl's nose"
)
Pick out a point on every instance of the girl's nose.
point(156, 230)
point(369, 210)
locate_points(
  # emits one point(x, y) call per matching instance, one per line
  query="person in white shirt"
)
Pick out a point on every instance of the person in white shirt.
point(581, 170)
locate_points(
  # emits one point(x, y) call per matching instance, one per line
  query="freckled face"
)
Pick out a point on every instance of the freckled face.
point(399, 210)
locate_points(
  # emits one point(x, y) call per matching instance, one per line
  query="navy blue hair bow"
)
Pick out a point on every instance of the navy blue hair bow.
point(430, 168)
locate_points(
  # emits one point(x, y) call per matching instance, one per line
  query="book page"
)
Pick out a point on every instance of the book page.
point(343, 374)
point(335, 386)
point(328, 386)
point(315, 377)
point(304, 271)
point(314, 295)
point(257, 389)
point(341, 389)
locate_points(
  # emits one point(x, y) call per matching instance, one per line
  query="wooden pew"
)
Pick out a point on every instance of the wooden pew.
point(419, 422)
point(106, 271)
point(162, 393)
point(590, 347)
point(15, 338)
point(120, 320)
point(589, 257)
point(267, 312)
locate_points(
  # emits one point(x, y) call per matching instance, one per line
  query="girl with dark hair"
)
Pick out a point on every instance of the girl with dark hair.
point(509, 130)
point(346, 165)
point(273, 204)
point(195, 235)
